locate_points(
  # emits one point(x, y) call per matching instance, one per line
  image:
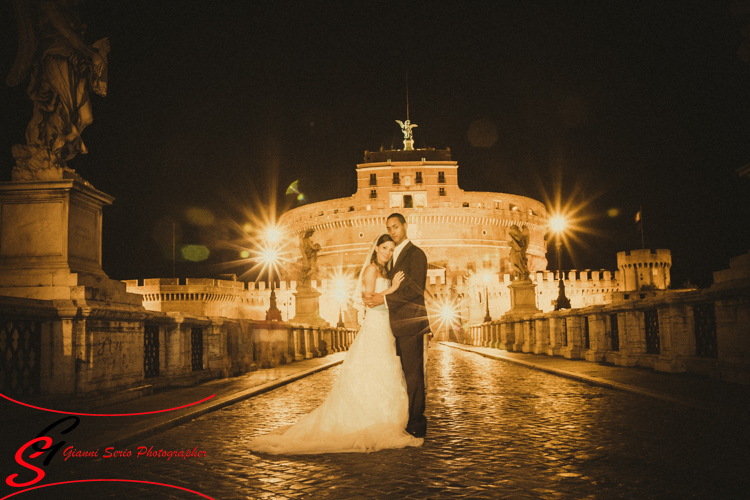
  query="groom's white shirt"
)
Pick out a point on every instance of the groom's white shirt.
point(396, 253)
point(397, 250)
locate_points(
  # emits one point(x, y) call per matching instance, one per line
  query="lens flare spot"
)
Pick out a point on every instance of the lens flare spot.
point(613, 212)
point(194, 253)
point(200, 216)
point(301, 197)
point(293, 189)
point(245, 254)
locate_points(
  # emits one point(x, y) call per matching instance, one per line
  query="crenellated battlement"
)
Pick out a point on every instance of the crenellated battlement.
point(235, 299)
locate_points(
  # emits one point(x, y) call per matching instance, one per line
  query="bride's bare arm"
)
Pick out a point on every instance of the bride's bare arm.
point(369, 278)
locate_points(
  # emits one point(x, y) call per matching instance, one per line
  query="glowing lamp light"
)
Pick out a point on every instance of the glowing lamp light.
point(557, 223)
point(273, 235)
point(269, 256)
point(340, 294)
point(448, 313)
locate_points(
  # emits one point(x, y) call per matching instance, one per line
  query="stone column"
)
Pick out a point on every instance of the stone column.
point(632, 338)
point(597, 338)
point(507, 335)
point(542, 335)
point(574, 347)
point(556, 333)
point(675, 344)
point(217, 347)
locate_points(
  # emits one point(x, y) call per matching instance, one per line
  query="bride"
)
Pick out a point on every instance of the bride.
point(367, 408)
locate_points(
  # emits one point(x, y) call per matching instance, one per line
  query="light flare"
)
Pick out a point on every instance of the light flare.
point(446, 311)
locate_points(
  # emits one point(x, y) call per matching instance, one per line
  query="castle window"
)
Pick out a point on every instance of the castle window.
point(351, 209)
point(408, 201)
point(418, 180)
point(441, 177)
point(396, 179)
point(466, 205)
point(441, 192)
point(373, 193)
point(373, 180)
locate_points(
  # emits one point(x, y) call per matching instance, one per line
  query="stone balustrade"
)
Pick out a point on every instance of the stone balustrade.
point(48, 349)
point(698, 331)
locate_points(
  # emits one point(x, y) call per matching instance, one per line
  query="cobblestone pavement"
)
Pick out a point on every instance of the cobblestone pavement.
point(497, 430)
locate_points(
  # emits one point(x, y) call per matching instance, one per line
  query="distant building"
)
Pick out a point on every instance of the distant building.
point(462, 232)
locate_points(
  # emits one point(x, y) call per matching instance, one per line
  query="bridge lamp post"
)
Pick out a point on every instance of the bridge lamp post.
point(558, 224)
point(341, 295)
point(486, 278)
point(270, 256)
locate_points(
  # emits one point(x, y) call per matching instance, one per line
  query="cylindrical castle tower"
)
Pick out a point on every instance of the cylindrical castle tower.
point(644, 267)
point(462, 232)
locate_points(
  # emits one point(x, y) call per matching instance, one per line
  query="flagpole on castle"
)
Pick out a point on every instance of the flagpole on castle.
point(640, 222)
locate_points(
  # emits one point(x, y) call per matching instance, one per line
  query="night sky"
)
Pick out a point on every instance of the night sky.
point(220, 105)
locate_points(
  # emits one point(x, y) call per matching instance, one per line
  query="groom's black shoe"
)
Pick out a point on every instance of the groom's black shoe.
point(417, 433)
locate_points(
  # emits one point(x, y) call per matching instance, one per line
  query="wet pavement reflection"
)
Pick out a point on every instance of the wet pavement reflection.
point(496, 430)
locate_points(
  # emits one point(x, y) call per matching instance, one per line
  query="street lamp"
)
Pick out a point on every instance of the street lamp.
point(487, 277)
point(340, 295)
point(269, 256)
point(557, 224)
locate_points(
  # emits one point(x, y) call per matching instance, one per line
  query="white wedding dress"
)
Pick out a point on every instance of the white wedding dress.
point(367, 408)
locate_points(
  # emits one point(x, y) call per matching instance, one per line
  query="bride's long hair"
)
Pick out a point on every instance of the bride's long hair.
point(374, 257)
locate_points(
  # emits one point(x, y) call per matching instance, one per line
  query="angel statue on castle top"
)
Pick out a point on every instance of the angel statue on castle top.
point(62, 71)
point(406, 128)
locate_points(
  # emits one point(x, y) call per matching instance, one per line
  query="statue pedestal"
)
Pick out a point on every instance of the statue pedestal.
point(271, 343)
point(522, 298)
point(307, 306)
point(51, 242)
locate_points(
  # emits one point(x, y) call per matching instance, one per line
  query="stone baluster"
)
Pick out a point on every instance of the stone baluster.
point(598, 344)
point(507, 335)
point(315, 342)
point(575, 338)
point(541, 328)
point(556, 333)
point(308, 343)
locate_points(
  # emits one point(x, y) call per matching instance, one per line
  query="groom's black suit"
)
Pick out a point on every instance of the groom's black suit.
point(409, 323)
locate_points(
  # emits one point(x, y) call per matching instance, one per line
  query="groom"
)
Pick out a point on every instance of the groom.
point(408, 317)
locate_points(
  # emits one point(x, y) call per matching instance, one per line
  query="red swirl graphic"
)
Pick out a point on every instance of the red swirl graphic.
point(102, 480)
point(106, 414)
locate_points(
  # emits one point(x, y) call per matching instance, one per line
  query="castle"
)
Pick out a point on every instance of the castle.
point(464, 234)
